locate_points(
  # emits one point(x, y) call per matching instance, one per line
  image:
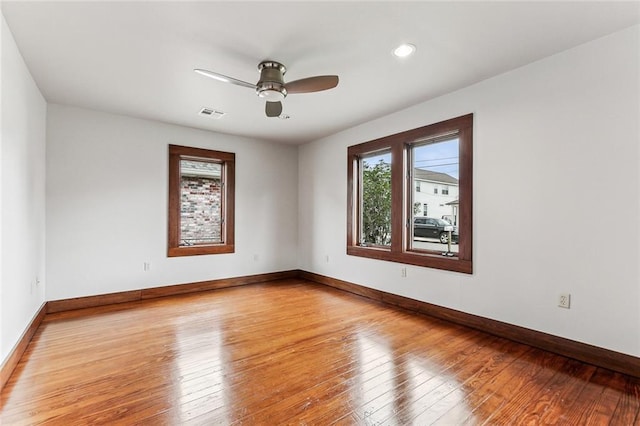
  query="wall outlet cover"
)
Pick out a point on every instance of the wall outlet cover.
point(564, 300)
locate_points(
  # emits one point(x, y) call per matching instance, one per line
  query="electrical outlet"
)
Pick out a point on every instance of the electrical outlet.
point(564, 300)
point(403, 272)
point(326, 258)
point(147, 266)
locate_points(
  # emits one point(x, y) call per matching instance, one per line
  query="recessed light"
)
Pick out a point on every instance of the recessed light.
point(404, 50)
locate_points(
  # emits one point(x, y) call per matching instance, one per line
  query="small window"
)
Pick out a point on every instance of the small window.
point(417, 186)
point(435, 190)
point(445, 190)
point(201, 201)
point(425, 209)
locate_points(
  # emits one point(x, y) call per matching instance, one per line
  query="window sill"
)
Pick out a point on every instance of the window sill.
point(411, 258)
point(200, 250)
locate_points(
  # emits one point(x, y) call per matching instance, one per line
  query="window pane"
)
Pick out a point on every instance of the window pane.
point(200, 203)
point(376, 199)
point(436, 171)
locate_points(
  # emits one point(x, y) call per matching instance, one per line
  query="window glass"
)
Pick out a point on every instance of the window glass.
point(200, 202)
point(375, 213)
point(436, 163)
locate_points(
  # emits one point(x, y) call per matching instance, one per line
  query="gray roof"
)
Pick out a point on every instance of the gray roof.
point(432, 176)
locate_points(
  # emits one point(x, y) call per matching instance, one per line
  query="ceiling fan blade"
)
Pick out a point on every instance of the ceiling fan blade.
point(273, 109)
point(312, 84)
point(224, 78)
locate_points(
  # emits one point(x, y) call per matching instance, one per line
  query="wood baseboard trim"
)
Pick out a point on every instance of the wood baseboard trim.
point(16, 353)
point(63, 305)
point(171, 290)
point(595, 355)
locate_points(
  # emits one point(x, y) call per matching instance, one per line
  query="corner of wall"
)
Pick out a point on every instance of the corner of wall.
point(22, 195)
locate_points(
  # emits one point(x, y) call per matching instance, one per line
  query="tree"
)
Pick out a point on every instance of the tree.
point(376, 203)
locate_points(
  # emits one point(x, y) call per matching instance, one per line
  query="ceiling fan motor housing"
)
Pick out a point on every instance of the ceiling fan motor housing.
point(271, 83)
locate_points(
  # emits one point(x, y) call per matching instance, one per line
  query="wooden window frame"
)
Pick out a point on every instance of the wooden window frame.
point(227, 160)
point(401, 208)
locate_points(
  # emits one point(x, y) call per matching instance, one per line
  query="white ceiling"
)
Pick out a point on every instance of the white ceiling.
point(137, 58)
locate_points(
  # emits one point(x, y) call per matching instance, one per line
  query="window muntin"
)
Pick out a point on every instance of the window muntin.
point(201, 201)
point(406, 205)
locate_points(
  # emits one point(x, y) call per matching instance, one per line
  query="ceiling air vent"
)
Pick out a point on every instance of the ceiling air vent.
point(208, 112)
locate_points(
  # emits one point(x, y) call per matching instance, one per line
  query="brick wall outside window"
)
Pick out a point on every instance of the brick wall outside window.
point(200, 218)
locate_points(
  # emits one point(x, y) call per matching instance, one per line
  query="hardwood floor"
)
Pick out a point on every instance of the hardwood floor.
point(294, 352)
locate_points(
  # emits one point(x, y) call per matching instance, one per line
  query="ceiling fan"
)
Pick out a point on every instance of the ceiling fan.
point(272, 87)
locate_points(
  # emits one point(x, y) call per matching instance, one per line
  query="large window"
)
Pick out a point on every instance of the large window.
point(391, 178)
point(201, 201)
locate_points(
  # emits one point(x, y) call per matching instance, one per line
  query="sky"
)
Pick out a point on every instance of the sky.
point(438, 157)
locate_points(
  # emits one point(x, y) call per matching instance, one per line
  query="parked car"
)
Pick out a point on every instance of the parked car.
point(431, 227)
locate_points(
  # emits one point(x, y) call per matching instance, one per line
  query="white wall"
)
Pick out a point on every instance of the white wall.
point(22, 195)
point(554, 142)
point(107, 205)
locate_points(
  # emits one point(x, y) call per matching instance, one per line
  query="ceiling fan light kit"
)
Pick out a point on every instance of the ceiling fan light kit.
point(271, 85)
